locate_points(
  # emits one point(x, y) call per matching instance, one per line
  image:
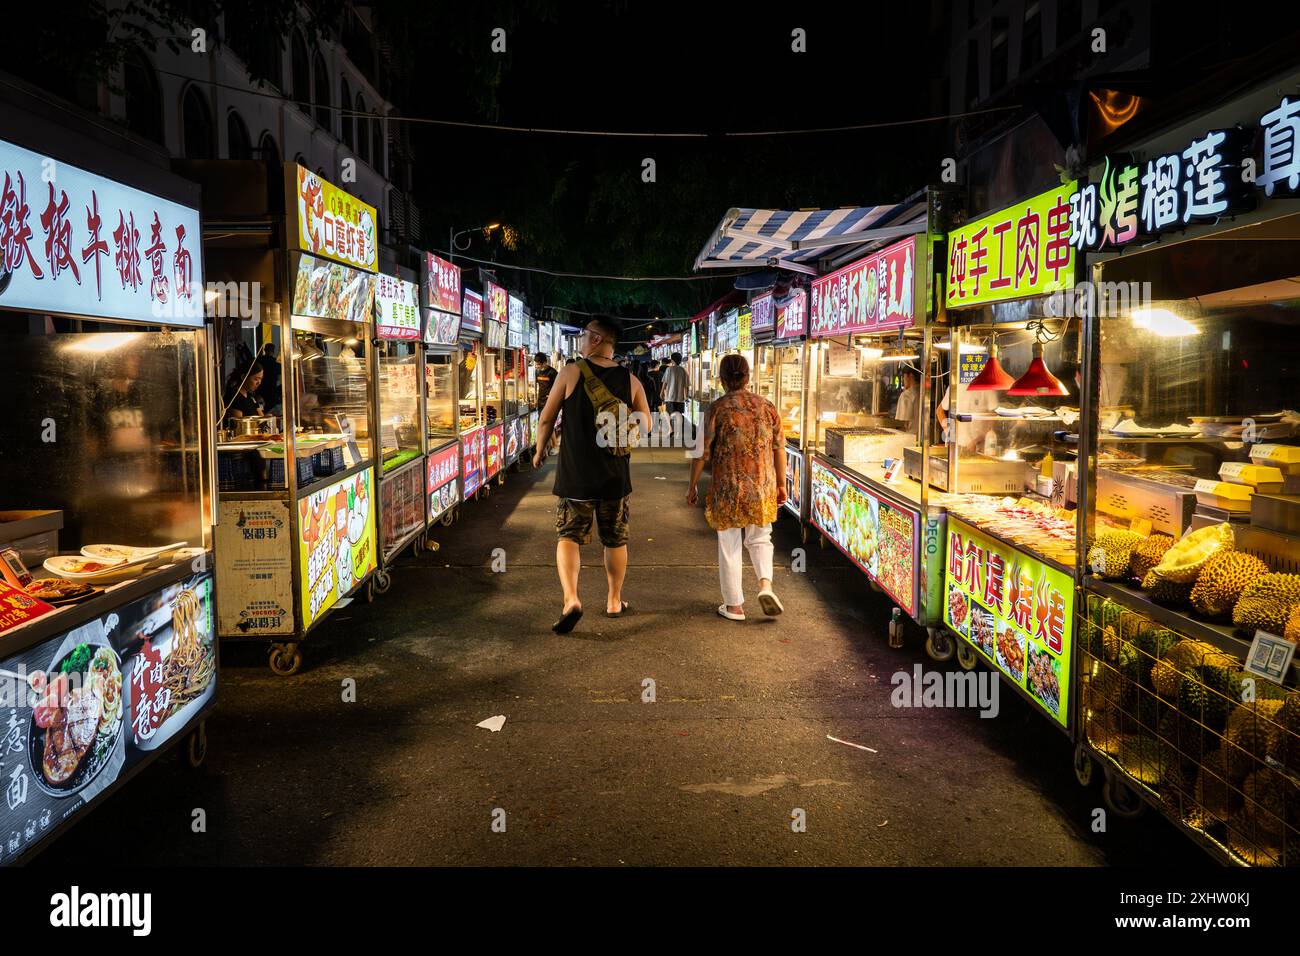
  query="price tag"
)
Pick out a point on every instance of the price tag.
point(1231, 470)
point(1140, 526)
point(1208, 485)
point(1269, 656)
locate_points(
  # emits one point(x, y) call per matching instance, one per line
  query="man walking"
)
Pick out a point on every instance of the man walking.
point(545, 375)
point(673, 391)
point(592, 479)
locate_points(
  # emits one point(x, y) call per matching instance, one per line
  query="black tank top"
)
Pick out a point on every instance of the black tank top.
point(586, 471)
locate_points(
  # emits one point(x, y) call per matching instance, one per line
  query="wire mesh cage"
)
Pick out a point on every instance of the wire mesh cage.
point(1216, 748)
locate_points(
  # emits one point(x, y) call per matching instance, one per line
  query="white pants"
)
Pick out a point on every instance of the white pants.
point(757, 539)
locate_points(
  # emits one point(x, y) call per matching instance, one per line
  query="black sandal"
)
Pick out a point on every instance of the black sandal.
point(626, 610)
point(568, 621)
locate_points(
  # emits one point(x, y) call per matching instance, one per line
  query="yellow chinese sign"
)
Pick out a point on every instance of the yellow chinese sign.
point(744, 337)
point(333, 223)
point(1015, 253)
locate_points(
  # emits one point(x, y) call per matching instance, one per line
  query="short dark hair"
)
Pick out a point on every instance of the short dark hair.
point(677, 358)
point(540, 357)
point(606, 327)
point(732, 371)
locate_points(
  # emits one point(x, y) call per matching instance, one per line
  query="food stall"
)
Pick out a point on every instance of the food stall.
point(515, 383)
point(472, 412)
point(1007, 466)
point(791, 361)
point(108, 652)
point(865, 323)
point(442, 362)
point(497, 379)
point(1192, 608)
point(399, 412)
point(297, 534)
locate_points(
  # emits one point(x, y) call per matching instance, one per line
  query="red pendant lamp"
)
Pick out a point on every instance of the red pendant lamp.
point(1037, 380)
point(992, 377)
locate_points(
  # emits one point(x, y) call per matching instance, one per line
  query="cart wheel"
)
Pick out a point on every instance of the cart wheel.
point(485, 491)
point(432, 545)
point(285, 659)
point(966, 657)
point(940, 645)
point(501, 477)
point(1121, 799)
point(383, 581)
point(196, 745)
point(449, 518)
point(1084, 765)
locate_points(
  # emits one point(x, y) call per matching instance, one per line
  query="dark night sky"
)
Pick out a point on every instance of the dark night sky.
point(579, 201)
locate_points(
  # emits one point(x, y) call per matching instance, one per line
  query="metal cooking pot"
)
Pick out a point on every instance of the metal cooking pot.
point(256, 425)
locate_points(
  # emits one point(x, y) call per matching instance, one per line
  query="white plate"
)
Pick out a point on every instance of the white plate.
point(60, 564)
point(128, 553)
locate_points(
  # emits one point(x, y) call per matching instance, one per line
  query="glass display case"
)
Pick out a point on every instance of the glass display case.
point(853, 394)
point(1193, 607)
point(441, 370)
point(764, 372)
point(122, 454)
point(399, 403)
point(789, 362)
point(493, 371)
point(331, 379)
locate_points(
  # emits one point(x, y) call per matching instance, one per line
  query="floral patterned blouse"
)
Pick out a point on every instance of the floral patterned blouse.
point(742, 431)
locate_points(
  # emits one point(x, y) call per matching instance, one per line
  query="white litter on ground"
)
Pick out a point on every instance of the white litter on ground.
point(847, 744)
point(493, 723)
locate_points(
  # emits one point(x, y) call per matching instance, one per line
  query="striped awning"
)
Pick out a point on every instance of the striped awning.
point(797, 238)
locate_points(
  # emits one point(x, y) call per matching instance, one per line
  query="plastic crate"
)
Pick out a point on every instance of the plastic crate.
point(306, 474)
point(327, 461)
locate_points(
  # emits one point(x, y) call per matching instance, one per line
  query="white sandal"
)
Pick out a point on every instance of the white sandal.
point(723, 612)
point(770, 603)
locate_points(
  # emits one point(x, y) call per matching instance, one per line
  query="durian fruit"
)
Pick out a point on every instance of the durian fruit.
point(1143, 759)
point(1209, 693)
point(1244, 839)
point(1164, 591)
point(1273, 797)
point(1222, 581)
point(1213, 797)
point(1111, 553)
point(1284, 741)
point(1184, 560)
point(1251, 728)
point(1101, 725)
point(1148, 553)
point(1266, 604)
point(1292, 630)
point(1156, 641)
point(1183, 657)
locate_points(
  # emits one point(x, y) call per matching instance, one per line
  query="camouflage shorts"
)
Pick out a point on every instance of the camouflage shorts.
point(573, 520)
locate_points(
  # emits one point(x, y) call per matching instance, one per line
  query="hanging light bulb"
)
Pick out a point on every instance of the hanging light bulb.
point(992, 377)
point(1038, 380)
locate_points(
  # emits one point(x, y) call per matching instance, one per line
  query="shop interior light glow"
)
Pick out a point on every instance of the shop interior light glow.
point(870, 354)
point(103, 341)
point(900, 356)
point(1038, 379)
point(971, 347)
point(1163, 322)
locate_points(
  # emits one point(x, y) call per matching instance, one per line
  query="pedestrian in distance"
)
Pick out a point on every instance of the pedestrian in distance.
point(593, 478)
point(745, 448)
point(673, 392)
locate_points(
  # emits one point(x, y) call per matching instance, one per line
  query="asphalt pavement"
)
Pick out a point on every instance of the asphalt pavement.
point(723, 758)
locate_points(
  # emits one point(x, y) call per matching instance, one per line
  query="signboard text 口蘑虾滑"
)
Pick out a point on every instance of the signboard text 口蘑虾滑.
point(334, 223)
point(1014, 253)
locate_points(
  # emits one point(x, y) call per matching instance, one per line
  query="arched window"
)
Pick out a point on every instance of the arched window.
point(238, 145)
point(301, 71)
point(269, 150)
point(344, 118)
point(196, 124)
point(323, 115)
point(363, 133)
point(377, 143)
point(143, 99)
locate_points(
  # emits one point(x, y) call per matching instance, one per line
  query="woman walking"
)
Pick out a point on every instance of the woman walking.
point(744, 444)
